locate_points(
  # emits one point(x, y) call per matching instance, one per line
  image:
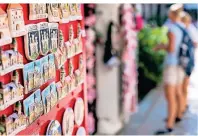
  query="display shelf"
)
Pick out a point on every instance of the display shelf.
point(10, 69)
point(39, 126)
point(11, 102)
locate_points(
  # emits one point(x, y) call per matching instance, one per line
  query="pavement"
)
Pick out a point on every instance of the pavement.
point(152, 112)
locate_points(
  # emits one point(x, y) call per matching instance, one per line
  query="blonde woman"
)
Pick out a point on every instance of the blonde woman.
point(173, 74)
point(193, 33)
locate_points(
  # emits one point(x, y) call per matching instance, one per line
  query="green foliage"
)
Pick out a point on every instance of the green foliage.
point(151, 61)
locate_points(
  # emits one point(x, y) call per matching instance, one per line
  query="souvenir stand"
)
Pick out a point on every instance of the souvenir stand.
point(129, 61)
point(90, 20)
point(42, 73)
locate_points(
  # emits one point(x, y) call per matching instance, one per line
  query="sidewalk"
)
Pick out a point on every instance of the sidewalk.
point(153, 109)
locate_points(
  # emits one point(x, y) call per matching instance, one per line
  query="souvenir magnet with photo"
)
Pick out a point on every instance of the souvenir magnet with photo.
point(53, 27)
point(37, 11)
point(28, 77)
point(46, 98)
point(44, 37)
point(64, 12)
point(44, 69)
point(32, 42)
point(51, 66)
point(53, 12)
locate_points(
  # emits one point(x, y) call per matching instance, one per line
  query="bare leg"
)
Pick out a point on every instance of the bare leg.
point(185, 91)
point(170, 93)
point(180, 101)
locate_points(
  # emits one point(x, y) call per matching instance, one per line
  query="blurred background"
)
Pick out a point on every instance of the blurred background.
point(124, 74)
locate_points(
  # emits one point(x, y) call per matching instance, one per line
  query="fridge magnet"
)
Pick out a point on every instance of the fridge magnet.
point(44, 69)
point(59, 90)
point(37, 74)
point(68, 49)
point(79, 111)
point(78, 12)
point(10, 60)
point(54, 128)
point(79, 44)
point(16, 20)
point(44, 37)
point(62, 47)
point(81, 132)
point(53, 12)
point(58, 58)
point(53, 27)
point(68, 84)
point(28, 77)
point(71, 74)
point(78, 77)
point(68, 121)
point(62, 75)
point(32, 41)
point(52, 68)
point(54, 95)
point(37, 11)
point(11, 92)
point(33, 106)
point(73, 11)
point(64, 12)
point(46, 98)
point(14, 123)
point(5, 37)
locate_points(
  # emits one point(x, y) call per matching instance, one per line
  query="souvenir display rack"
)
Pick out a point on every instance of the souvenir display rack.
point(39, 125)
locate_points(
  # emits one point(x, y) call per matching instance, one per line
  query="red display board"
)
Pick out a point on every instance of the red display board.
point(56, 113)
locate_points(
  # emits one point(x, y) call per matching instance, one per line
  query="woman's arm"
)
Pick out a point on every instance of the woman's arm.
point(171, 43)
point(168, 47)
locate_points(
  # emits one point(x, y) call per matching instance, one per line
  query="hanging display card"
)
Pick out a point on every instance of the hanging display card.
point(53, 12)
point(5, 37)
point(68, 122)
point(32, 41)
point(44, 37)
point(33, 106)
point(37, 11)
point(54, 129)
point(64, 12)
point(53, 27)
point(16, 20)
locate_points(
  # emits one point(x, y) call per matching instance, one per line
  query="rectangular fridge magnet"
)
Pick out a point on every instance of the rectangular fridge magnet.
point(16, 20)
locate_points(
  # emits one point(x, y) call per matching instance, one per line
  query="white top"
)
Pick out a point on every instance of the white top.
point(193, 33)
